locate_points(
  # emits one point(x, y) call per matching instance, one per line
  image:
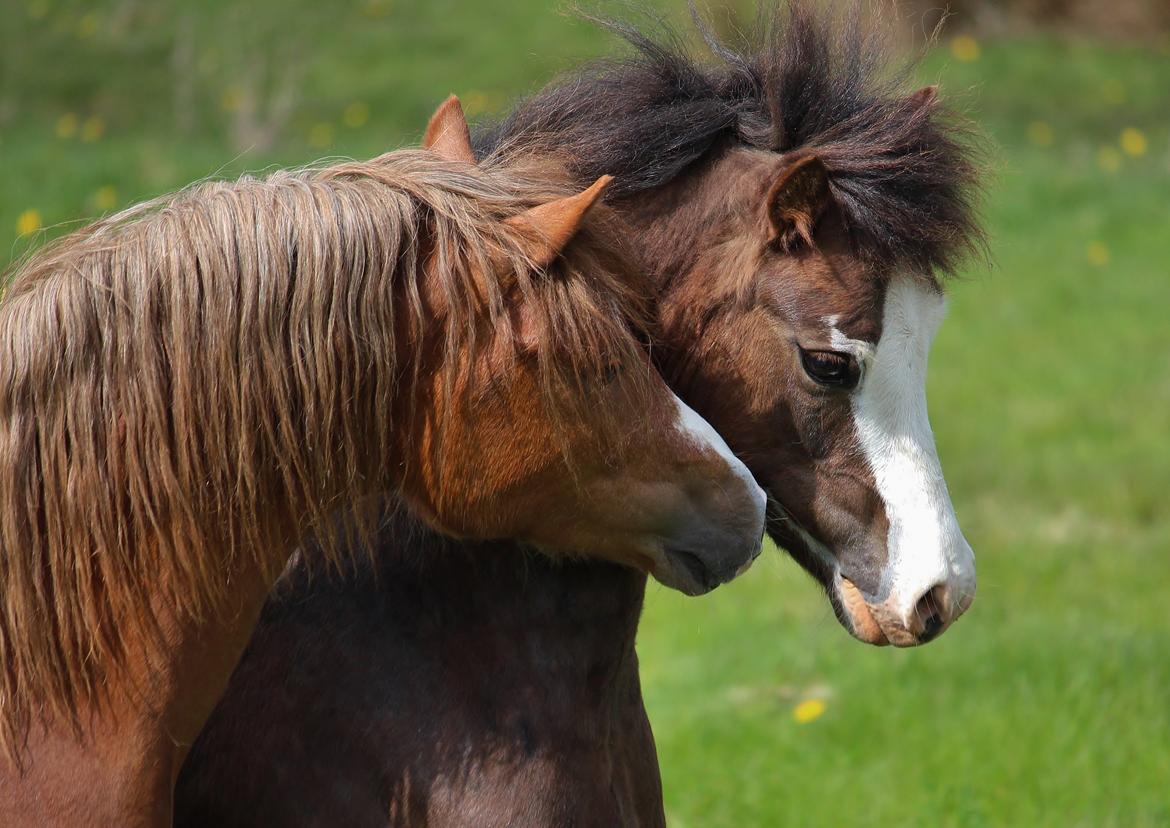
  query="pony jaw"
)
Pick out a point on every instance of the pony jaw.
point(869, 619)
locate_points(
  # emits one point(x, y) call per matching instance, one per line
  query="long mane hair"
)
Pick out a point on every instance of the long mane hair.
point(906, 175)
point(188, 386)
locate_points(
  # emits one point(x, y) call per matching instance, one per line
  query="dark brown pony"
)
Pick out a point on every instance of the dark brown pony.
point(798, 208)
point(191, 387)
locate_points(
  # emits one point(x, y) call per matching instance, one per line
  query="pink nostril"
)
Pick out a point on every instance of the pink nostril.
point(931, 613)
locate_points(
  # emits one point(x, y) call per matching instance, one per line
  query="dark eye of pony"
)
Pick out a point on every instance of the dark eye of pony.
point(831, 368)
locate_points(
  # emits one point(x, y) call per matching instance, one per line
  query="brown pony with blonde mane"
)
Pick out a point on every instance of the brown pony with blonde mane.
point(190, 387)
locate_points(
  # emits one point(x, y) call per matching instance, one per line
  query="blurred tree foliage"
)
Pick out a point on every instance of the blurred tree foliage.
point(1121, 19)
point(1141, 19)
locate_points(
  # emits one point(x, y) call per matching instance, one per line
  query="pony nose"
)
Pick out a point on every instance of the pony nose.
point(933, 612)
point(718, 539)
point(698, 563)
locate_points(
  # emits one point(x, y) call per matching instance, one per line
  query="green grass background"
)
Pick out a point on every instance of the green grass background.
point(1049, 704)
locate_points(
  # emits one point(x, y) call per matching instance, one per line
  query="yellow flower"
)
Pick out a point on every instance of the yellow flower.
point(1040, 133)
point(808, 710)
point(321, 135)
point(93, 129)
point(66, 125)
point(965, 48)
point(231, 99)
point(1134, 142)
point(88, 25)
point(106, 198)
point(28, 222)
point(1109, 159)
point(356, 115)
point(1098, 254)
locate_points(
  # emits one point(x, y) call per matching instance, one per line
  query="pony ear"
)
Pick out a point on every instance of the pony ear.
point(797, 200)
point(548, 228)
point(924, 97)
point(447, 133)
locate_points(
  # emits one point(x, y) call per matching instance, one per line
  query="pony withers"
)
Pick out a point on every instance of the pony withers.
point(798, 208)
point(190, 387)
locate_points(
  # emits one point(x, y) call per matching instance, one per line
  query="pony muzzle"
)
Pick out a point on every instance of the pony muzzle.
point(906, 622)
point(698, 572)
point(719, 529)
point(717, 543)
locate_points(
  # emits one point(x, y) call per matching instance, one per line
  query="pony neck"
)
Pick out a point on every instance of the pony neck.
point(461, 668)
point(589, 609)
point(122, 768)
point(549, 638)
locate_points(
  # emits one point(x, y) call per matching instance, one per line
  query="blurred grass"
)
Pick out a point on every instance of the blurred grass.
point(1049, 704)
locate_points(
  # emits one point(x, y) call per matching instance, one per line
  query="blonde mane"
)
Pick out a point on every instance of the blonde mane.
point(189, 384)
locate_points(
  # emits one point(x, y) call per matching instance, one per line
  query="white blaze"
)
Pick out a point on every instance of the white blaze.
point(925, 545)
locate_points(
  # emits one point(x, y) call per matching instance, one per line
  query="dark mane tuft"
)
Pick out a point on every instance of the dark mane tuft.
point(904, 171)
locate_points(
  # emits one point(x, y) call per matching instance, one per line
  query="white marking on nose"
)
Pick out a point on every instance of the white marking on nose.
point(702, 433)
point(925, 545)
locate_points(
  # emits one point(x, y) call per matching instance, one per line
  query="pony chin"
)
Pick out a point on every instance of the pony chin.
point(855, 613)
point(877, 623)
point(849, 605)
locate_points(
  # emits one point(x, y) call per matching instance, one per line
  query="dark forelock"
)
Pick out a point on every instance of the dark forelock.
point(905, 173)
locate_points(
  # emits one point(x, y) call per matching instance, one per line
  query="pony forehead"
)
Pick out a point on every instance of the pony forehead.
point(914, 305)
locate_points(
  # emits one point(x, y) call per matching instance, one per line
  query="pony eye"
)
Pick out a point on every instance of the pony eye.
point(831, 368)
point(611, 372)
